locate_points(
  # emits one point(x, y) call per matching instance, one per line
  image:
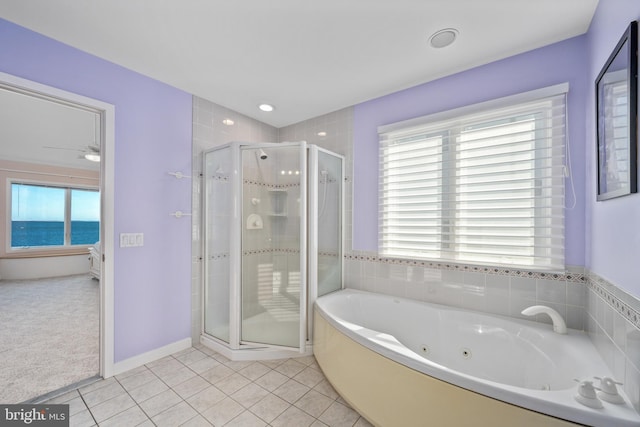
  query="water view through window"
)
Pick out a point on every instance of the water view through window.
point(39, 214)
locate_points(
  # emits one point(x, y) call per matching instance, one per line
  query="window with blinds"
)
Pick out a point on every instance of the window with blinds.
point(479, 185)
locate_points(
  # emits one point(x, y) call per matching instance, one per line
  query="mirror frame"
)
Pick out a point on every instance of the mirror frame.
point(627, 46)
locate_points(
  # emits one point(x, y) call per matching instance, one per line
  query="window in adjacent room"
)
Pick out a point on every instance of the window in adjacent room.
point(480, 185)
point(50, 216)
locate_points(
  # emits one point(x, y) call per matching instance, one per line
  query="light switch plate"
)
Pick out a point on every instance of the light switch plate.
point(129, 240)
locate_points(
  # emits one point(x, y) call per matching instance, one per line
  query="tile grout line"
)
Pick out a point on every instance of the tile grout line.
point(252, 381)
point(183, 399)
point(134, 400)
point(171, 388)
point(196, 375)
point(222, 361)
point(229, 395)
point(200, 376)
point(88, 409)
point(611, 339)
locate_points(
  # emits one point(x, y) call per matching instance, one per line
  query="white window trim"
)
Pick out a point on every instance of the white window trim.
point(51, 249)
point(476, 108)
point(421, 124)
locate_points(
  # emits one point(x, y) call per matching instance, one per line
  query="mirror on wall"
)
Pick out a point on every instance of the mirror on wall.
point(616, 103)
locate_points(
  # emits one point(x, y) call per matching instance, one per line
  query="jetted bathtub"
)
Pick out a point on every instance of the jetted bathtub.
point(401, 362)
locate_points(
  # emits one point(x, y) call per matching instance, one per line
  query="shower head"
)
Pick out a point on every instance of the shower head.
point(262, 155)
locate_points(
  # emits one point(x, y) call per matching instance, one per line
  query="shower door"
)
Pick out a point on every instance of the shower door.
point(219, 239)
point(273, 278)
point(326, 200)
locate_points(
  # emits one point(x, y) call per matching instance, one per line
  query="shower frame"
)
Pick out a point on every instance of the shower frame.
point(236, 348)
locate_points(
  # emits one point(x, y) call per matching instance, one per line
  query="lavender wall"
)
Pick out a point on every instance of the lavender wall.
point(152, 137)
point(613, 226)
point(557, 63)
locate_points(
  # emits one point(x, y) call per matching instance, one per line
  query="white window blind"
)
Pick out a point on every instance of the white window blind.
point(482, 185)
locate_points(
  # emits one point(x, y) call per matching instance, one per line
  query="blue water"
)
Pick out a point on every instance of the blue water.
point(51, 233)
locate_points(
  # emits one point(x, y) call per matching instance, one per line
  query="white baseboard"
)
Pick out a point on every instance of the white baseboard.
point(42, 267)
point(150, 356)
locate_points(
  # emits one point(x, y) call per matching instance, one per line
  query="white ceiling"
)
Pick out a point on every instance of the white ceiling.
point(36, 130)
point(306, 57)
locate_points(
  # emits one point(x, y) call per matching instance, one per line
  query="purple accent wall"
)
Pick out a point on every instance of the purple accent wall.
point(153, 123)
point(557, 63)
point(613, 226)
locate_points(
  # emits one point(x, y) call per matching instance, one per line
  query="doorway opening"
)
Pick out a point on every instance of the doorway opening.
point(56, 266)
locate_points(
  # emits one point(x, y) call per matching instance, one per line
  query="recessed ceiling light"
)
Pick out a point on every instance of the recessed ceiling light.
point(443, 38)
point(266, 107)
point(322, 133)
point(228, 122)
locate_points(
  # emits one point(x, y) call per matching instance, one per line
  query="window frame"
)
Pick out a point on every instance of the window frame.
point(66, 248)
point(454, 130)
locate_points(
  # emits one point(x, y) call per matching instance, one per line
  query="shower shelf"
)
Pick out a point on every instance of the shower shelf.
point(278, 202)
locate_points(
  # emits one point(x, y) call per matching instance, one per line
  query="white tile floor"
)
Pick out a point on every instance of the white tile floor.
point(199, 387)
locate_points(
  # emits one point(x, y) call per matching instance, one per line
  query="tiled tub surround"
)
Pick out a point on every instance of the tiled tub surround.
point(613, 323)
point(493, 290)
point(586, 301)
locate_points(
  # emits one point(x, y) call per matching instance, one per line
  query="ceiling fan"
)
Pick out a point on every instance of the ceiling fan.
point(90, 152)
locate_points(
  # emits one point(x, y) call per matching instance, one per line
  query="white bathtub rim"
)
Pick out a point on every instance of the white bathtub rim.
point(557, 403)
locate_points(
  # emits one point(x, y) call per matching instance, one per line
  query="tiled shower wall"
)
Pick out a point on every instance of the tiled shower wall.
point(336, 134)
point(210, 132)
point(611, 317)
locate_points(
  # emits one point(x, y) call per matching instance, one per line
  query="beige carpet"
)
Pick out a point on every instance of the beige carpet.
point(49, 335)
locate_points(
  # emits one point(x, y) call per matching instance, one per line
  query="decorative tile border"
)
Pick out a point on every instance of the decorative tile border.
point(271, 186)
point(328, 254)
point(270, 251)
point(225, 255)
point(328, 181)
point(627, 306)
point(629, 309)
point(568, 276)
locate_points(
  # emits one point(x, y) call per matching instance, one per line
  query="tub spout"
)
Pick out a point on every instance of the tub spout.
point(559, 325)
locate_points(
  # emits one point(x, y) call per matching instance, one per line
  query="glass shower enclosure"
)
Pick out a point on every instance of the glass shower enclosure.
point(264, 260)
